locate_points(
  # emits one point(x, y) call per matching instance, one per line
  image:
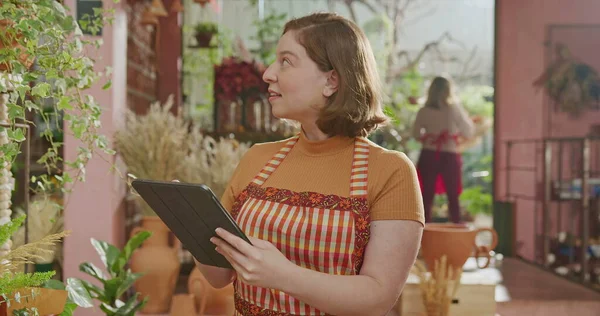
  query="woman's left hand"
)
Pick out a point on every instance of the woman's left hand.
point(260, 264)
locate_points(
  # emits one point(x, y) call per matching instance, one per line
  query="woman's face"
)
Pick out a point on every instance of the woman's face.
point(297, 88)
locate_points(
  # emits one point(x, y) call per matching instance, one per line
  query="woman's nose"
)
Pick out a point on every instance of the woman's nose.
point(269, 75)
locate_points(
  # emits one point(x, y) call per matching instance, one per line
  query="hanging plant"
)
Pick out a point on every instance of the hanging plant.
point(45, 33)
point(573, 85)
point(204, 33)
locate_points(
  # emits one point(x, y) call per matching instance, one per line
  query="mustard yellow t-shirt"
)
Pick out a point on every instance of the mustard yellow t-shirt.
point(325, 167)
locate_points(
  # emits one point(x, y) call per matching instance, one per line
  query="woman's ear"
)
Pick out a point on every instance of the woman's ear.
point(332, 84)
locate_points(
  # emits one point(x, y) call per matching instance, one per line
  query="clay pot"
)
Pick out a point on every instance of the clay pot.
point(183, 304)
point(210, 301)
point(47, 301)
point(25, 59)
point(456, 241)
point(159, 263)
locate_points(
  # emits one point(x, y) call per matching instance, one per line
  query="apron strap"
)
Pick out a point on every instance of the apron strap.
point(270, 167)
point(360, 169)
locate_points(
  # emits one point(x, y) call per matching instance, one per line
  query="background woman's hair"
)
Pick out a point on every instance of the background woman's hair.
point(439, 93)
point(336, 43)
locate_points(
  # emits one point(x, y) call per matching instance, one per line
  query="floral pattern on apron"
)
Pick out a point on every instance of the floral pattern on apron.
point(325, 233)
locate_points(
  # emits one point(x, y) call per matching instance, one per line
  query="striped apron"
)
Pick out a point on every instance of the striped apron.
point(325, 233)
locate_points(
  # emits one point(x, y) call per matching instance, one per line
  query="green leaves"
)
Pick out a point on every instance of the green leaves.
point(54, 90)
point(92, 270)
point(41, 90)
point(118, 280)
point(135, 242)
point(78, 294)
point(7, 230)
point(108, 254)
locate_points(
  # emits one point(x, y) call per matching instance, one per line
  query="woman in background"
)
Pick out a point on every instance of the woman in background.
point(439, 126)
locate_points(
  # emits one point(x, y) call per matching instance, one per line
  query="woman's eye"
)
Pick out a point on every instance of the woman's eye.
point(285, 61)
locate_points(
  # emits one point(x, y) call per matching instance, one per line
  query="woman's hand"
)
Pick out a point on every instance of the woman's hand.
point(260, 264)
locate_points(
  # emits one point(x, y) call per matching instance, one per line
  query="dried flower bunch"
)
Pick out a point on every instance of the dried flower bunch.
point(163, 146)
point(439, 287)
point(151, 145)
point(211, 162)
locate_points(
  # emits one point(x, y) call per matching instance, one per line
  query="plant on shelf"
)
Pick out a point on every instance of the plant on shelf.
point(204, 32)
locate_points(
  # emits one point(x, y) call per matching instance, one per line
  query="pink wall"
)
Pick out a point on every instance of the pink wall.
point(521, 113)
point(93, 209)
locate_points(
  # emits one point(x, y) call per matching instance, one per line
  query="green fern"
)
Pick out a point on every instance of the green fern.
point(7, 230)
point(11, 282)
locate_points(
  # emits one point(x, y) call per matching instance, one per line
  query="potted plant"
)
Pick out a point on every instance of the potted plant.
point(43, 70)
point(204, 33)
point(48, 74)
point(22, 292)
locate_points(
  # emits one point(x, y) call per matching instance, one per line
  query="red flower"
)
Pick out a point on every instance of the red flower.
point(238, 79)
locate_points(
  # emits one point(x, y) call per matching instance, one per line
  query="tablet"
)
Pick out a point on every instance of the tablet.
point(192, 212)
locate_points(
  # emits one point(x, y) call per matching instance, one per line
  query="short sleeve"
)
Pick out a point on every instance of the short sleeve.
point(230, 194)
point(398, 195)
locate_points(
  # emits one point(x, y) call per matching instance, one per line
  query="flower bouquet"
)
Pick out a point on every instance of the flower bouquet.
point(239, 96)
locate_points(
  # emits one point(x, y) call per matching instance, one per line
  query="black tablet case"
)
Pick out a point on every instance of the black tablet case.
point(192, 212)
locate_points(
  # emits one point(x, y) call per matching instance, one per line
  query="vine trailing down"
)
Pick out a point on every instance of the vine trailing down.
point(45, 70)
point(46, 56)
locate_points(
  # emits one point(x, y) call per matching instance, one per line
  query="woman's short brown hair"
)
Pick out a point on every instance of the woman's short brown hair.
point(336, 43)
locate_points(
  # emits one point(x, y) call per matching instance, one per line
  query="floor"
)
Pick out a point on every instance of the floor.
point(528, 290)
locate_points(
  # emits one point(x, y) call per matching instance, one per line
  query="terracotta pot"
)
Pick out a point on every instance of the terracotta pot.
point(25, 59)
point(210, 301)
point(159, 263)
point(203, 38)
point(456, 241)
point(183, 304)
point(47, 301)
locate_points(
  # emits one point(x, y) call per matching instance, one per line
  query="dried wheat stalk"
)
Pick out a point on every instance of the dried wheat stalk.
point(44, 218)
point(151, 145)
point(211, 162)
point(439, 287)
point(27, 253)
point(161, 146)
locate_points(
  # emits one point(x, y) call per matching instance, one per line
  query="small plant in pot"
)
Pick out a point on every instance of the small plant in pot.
point(204, 33)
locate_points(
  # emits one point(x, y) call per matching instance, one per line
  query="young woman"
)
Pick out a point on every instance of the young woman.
point(335, 221)
point(440, 125)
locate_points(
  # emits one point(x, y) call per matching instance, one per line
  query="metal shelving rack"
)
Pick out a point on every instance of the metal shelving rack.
point(569, 170)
